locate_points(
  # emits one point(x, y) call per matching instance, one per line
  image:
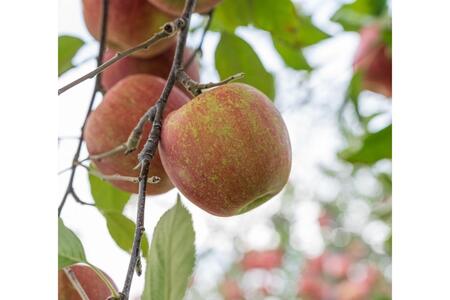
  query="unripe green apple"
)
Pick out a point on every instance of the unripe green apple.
point(82, 279)
point(227, 150)
point(373, 59)
point(130, 23)
point(159, 66)
point(110, 124)
point(175, 7)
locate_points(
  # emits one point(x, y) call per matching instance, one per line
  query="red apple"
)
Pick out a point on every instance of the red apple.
point(227, 150)
point(230, 290)
point(130, 23)
point(114, 119)
point(336, 265)
point(267, 259)
point(313, 288)
point(158, 66)
point(373, 59)
point(82, 279)
point(175, 7)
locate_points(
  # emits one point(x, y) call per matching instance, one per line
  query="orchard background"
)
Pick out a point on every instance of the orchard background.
point(337, 204)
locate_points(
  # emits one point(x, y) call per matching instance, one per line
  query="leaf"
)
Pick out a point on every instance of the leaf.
point(122, 231)
point(68, 47)
point(280, 18)
point(354, 15)
point(292, 57)
point(230, 14)
point(234, 55)
point(70, 249)
point(172, 256)
point(106, 196)
point(375, 146)
point(353, 91)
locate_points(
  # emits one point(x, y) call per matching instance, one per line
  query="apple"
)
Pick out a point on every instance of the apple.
point(230, 290)
point(267, 259)
point(84, 280)
point(130, 23)
point(336, 265)
point(158, 66)
point(110, 124)
point(373, 59)
point(313, 288)
point(227, 150)
point(175, 7)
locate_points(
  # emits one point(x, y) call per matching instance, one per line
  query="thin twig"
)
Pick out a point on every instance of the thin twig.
point(117, 177)
point(199, 50)
point(150, 146)
point(196, 88)
point(70, 190)
point(168, 30)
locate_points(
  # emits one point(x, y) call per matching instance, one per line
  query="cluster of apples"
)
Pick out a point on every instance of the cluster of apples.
point(337, 276)
point(374, 59)
point(227, 150)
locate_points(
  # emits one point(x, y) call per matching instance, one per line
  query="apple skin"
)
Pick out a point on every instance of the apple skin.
point(175, 7)
point(158, 66)
point(113, 120)
point(227, 150)
point(373, 59)
point(130, 23)
point(92, 284)
point(267, 259)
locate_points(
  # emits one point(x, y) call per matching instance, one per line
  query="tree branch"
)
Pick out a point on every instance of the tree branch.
point(150, 146)
point(168, 30)
point(200, 45)
point(196, 88)
point(97, 87)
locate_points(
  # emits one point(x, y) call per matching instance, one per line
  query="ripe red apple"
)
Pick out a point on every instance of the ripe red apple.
point(175, 7)
point(313, 288)
point(230, 290)
point(83, 279)
point(336, 265)
point(227, 150)
point(267, 259)
point(373, 59)
point(110, 124)
point(130, 23)
point(159, 66)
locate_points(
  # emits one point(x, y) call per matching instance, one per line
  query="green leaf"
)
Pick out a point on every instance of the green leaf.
point(230, 14)
point(122, 231)
point(292, 57)
point(234, 55)
point(70, 249)
point(353, 91)
point(375, 146)
point(68, 47)
point(172, 256)
point(280, 18)
point(354, 15)
point(106, 196)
